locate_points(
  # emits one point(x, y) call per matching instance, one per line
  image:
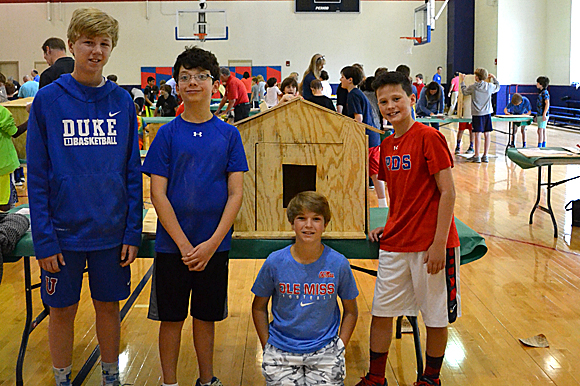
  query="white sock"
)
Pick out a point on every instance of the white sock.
point(170, 384)
point(382, 202)
point(61, 376)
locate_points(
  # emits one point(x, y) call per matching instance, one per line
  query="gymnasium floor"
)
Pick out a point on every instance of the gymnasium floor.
point(527, 284)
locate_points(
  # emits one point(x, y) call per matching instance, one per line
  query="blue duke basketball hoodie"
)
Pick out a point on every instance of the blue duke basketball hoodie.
point(84, 179)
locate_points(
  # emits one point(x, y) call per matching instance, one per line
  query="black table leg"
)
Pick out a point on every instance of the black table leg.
point(538, 193)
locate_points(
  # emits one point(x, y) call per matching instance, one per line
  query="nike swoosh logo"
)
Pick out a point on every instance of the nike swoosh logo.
point(113, 114)
point(306, 304)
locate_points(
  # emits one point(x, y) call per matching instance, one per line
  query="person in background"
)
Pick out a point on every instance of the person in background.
point(326, 87)
point(418, 83)
point(54, 51)
point(166, 104)
point(543, 107)
point(318, 97)
point(437, 76)
point(113, 78)
point(519, 105)
point(481, 109)
point(453, 93)
point(29, 87)
point(431, 102)
point(247, 81)
point(34, 75)
point(272, 93)
point(317, 62)
point(236, 96)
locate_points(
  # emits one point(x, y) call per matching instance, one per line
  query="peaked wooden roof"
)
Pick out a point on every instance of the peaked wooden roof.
point(302, 103)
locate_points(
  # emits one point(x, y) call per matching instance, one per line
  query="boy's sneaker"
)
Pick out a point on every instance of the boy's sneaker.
point(457, 150)
point(214, 382)
point(470, 151)
point(111, 380)
point(484, 159)
point(475, 159)
point(426, 381)
point(365, 381)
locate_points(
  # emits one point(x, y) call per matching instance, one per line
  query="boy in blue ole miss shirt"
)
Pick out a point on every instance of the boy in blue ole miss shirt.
point(304, 344)
point(85, 192)
point(196, 164)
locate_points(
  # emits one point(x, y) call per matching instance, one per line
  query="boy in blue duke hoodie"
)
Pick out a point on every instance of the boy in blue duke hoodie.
point(196, 164)
point(85, 192)
point(305, 342)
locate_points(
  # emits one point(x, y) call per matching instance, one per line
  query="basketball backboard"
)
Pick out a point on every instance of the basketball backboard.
point(422, 28)
point(191, 24)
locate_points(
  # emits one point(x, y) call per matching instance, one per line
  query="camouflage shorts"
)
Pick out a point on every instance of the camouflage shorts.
point(323, 367)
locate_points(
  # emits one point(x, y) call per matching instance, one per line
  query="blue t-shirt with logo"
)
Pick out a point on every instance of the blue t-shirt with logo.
point(304, 298)
point(437, 78)
point(520, 109)
point(358, 103)
point(195, 159)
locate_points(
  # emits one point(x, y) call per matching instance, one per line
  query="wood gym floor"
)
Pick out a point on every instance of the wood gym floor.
point(527, 284)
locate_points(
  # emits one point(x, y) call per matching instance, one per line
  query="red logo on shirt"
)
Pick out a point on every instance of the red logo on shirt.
point(325, 274)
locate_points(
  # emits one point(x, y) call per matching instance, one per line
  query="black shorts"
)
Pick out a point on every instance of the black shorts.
point(174, 289)
point(241, 111)
point(481, 123)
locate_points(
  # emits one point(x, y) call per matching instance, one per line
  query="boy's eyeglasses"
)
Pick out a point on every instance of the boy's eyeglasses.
point(186, 78)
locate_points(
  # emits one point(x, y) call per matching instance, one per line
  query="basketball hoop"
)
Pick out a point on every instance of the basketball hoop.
point(414, 41)
point(417, 40)
point(200, 36)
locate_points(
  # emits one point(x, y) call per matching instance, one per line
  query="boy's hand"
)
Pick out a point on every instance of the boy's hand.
point(51, 263)
point(490, 76)
point(128, 254)
point(375, 234)
point(435, 259)
point(200, 256)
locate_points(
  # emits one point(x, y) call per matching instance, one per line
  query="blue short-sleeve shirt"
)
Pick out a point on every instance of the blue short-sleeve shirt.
point(304, 298)
point(195, 159)
point(543, 96)
point(359, 104)
point(520, 109)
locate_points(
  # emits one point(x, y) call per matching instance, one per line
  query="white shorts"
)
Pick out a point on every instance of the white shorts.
point(323, 367)
point(404, 287)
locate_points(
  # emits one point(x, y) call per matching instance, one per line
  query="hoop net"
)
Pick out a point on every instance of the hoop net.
point(413, 40)
point(201, 36)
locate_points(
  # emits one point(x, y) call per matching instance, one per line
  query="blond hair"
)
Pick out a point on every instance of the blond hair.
point(308, 201)
point(92, 22)
point(481, 73)
point(316, 64)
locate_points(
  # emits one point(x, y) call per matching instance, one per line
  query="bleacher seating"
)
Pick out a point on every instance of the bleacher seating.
point(564, 116)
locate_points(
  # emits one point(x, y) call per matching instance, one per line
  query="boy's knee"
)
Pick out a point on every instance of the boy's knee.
point(106, 307)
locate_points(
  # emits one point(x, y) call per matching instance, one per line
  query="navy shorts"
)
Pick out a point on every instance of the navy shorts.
point(175, 288)
point(108, 281)
point(481, 123)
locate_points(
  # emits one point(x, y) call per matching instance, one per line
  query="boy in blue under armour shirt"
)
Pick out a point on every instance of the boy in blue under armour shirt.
point(85, 192)
point(305, 343)
point(197, 164)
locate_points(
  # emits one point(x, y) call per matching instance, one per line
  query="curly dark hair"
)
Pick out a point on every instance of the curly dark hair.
point(195, 57)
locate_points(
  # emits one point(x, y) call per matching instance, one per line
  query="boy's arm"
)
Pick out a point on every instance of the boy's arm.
point(134, 228)
point(222, 103)
point(204, 251)
point(46, 244)
point(260, 317)
point(422, 104)
point(435, 256)
point(167, 216)
point(547, 106)
point(349, 318)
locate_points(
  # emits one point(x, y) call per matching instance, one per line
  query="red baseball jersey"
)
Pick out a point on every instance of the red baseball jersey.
point(408, 165)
